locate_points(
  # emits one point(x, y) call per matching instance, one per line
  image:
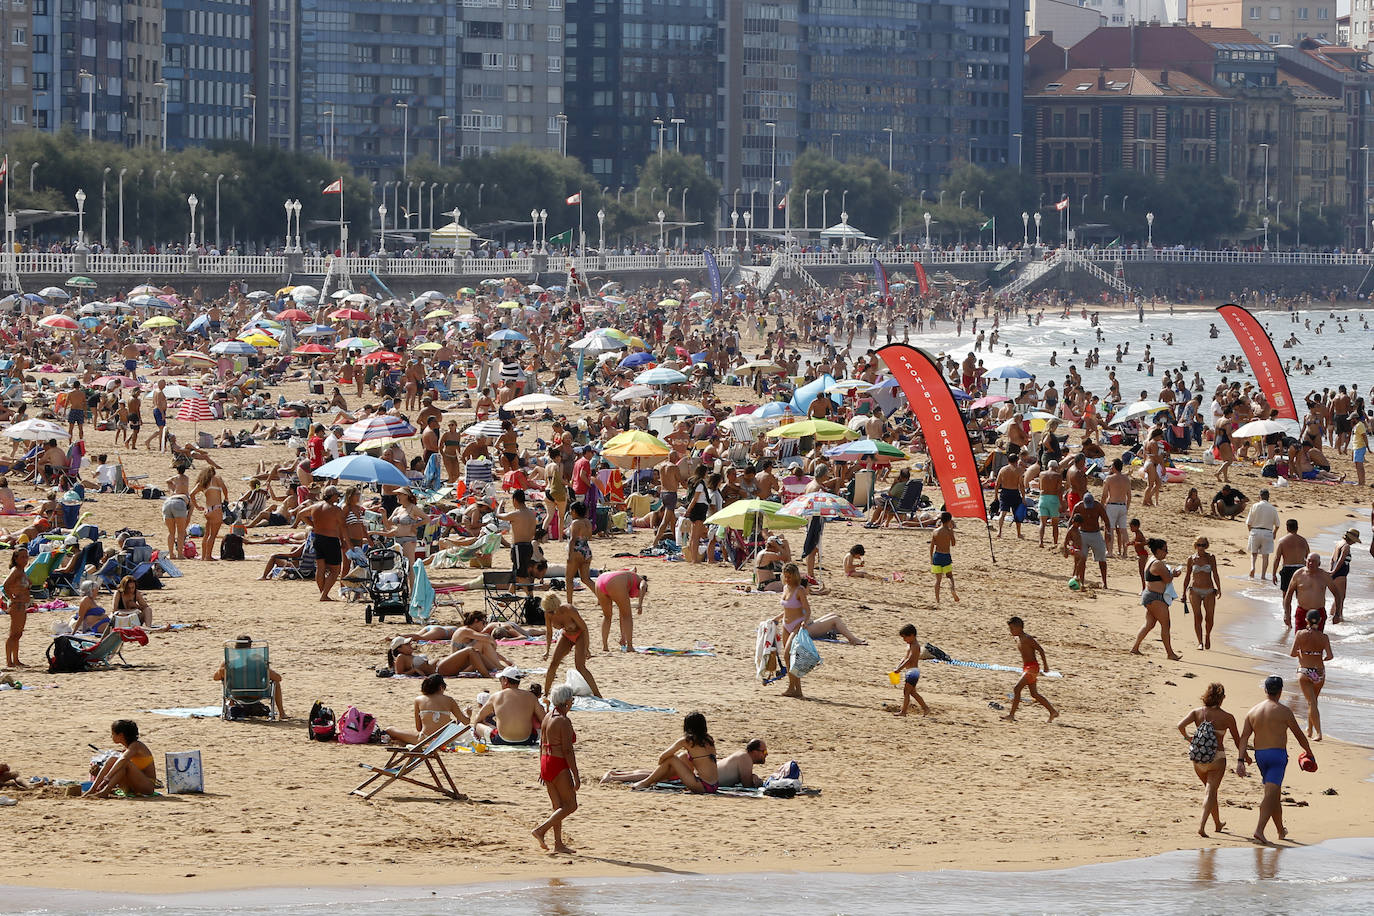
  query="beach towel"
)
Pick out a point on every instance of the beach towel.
point(609, 704)
point(697, 651)
point(421, 594)
point(733, 791)
point(189, 712)
point(768, 652)
point(986, 667)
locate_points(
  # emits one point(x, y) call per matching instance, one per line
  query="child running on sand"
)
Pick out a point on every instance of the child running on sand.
point(1030, 669)
point(942, 554)
point(911, 664)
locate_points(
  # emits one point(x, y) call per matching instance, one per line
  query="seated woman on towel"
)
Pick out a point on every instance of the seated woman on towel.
point(434, 709)
point(769, 563)
point(690, 760)
point(405, 661)
point(133, 771)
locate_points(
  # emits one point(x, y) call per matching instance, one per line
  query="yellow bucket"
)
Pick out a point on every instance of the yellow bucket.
point(894, 677)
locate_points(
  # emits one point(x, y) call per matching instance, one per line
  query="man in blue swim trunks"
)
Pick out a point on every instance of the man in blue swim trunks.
point(1269, 723)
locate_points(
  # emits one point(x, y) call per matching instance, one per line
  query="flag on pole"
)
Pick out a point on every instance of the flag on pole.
point(782, 204)
point(1115, 243)
point(985, 226)
point(575, 199)
point(562, 238)
point(4, 169)
point(334, 188)
point(1062, 205)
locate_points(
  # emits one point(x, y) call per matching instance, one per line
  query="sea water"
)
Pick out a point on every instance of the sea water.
point(1333, 877)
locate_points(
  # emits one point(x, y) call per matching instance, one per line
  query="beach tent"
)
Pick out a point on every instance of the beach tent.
point(452, 236)
point(803, 396)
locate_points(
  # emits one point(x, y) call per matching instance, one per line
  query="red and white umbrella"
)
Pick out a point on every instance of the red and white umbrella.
point(381, 356)
point(313, 349)
point(59, 323)
point(293, 315)
point(186, 357)
point(349, 315)
point(822, 505)
point(386, 427)
point(195, 409)
point(989, 400)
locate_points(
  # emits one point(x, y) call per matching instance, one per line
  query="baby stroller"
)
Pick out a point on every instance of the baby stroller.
point(388, 591)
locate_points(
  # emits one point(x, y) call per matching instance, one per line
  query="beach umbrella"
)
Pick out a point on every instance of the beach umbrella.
point(765, 366)
point(358, 299)
point(146, 301)
point(313, 350)
point(428, 346)
point(1259, 428)
point(234, 348)
point(669, 303)
point(54, 292)
point(381, 356)
point(634, 392)
point(1137, 409)
point(677, 410)
point(348, 315)
point(259, 339)
point(438, 313)
point(293, 315)
point(534, 402)
point(177, 392)
point(489, 428)
point(637, 438)
point(700, 296)
point(304, 291)
point(820, 505)
point(82, 282)
point(35, 430)
point(340, 294)
point(509, 304)
point(615, 300)
point(159, 321)
point(59, 323)
point(744, 514)
point(635, 449)
point(660, 375)
point(363, 468)
point(635, 360)
point(506, 334)
point(316, 330)
point(374, 428)
point(989, 400)
point(258, 295)
point(195, 409)
point(105, 381)
point(357, 343)
point(848, 386)
point(1007, 372)
point(467, 291)
point(779, 409)
point(866, 448)
point(187, 357)
point(597, 343)
point(824, 430)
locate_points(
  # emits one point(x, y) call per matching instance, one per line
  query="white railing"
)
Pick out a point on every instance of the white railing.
point(1314, 258)
point(632, 262)
point(494, 266)
point(37, 262)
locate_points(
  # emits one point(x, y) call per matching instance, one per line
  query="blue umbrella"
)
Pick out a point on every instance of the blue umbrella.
point(200, 326)
point(960, 394)
point(507, 334)
point(774, 409)
point(1008, 372)
point(636, 359)
point(234, 347)
point(316, 330)
point(660, 375)
point(88, 322)
point(364, 468)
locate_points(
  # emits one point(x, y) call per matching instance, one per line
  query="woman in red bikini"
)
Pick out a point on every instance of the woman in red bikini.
point(558, 766)
point(564, 617)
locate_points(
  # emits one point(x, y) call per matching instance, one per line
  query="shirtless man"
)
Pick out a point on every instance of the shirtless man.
point(734, 770)
point(1077, 480)
point(1116, 499)
point(1009, 497)
point(77, 406)
point(765, 480)
point(159, 418)
point(1031, 669)
point(331, 540)
point(1269, 723)
point(1051, 492)
point(522, 525)
point(1091, 518)
point(517, 713)
point(1290, 553)
point(1308, 587)
point(669, 482)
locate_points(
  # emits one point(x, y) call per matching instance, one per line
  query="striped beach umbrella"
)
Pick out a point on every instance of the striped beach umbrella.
point(234, 348)
point(190, 357)
point(660, 375)
point(378, 428)
point(381, 356)
point(489, 428)
point(313, 350)
point(358, 343)
point(348, 315)
point(820, 505)
point(316, 330)
point(59, 323)
point(293, 315)
point(195, 409)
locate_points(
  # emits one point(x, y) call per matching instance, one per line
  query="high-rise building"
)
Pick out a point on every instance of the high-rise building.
point(1276, 21)
point(17, 72)
point(275, 98)
point(945, 77)
point(208, 64)
point(511, 78)
point(641, 74)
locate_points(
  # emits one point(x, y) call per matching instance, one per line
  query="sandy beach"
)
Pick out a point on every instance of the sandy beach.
point(1108, 780)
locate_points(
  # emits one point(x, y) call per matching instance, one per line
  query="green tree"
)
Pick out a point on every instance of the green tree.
point(874, 193)
point(678, 172)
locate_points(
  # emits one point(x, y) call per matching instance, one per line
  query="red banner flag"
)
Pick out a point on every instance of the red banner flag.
point(947, 441)
point(921, 280)
point(1062, 205)
point(334, 188)
point(1264, 360)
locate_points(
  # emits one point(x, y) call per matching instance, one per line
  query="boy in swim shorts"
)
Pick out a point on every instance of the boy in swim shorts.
point(1030, 669)
point(941, 554)
point(911, 664)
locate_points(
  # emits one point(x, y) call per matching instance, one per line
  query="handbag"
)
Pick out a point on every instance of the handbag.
point(183, 774)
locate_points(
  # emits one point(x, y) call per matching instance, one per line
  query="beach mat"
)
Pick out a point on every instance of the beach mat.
point(697, 651)
point(609, 704)
point(732, 791)
point(189, 712)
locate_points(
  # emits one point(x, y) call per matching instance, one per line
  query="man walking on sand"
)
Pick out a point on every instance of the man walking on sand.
point(1010, 500)
point(1269, 723)
point(1051, 491)
point(1116, 499)
point(1308, 587)
point(1290, 553)
point(1031, 669)
point(1263, 521)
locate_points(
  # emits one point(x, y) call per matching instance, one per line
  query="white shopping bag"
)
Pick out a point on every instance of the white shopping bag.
point(183, 774)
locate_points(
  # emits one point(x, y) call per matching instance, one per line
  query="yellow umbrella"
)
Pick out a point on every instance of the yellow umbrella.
point(823, 430)
point(439, 313)
point(509, 304)
point(613, 332)
point(668, 303)
point(285, 290)
point(160, 321)
point(639, 450)
point(427, 347)
point(637, 437)
point(260, 340)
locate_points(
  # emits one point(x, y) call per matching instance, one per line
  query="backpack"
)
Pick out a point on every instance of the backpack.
point(533, 615)
point(356, 726)
point(1203, 747)
point(321, 726)
point(66, 655)
point(231, 547)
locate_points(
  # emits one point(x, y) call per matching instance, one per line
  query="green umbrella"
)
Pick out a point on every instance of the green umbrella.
point(745, 513)
point(82, 282)
point(824, 430)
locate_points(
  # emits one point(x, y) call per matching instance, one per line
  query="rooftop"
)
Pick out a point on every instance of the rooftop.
point(1124, 81)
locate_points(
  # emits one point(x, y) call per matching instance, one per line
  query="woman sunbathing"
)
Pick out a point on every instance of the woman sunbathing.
point(405, 661)
point(434, 709)
point(472, 634)
point(90, 616)
point(132, 771)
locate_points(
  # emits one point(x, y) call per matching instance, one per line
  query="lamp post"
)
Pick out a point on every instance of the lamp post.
point(844, 218)
point(89, 80)
point(1297, 244)
point(329, 140)
point(601, 223)
point(119, 242)
point(1025, 229)
point(961, 199)
point(192, 201)
point(80, 218)
point(162, 84)
point(677, 133)
point(971, 141)
point(287, 207)
point(104, 236)
point(926, 216)
point(420, 205)
point(534, 227)
point(1150, 230)
point(749, 229)
point(1124, 198)
point(1265, 147)
point(806, 210)
point(1017, 135)
point(219, 242)
point(252, 101)
point(1037, 228)
point(405, 137)
point(432, 186)
point(891, 132)
point(825, 223)
point(734, 229)
point(381, 211)
point(661, 214)
point(440, 157)
point(296, 211)
point(844, 200)
point(544, 226)
point(1364, 197)
point(772, 168)
point(1266, 233)
point(684, 219)
point(658, 123)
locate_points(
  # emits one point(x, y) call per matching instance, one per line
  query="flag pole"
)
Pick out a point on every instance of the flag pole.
point(343, 243)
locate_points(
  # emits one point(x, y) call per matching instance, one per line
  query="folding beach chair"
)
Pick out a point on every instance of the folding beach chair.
point(909, 506)
point(500, 602)
point(407, 763)
point(247, 678)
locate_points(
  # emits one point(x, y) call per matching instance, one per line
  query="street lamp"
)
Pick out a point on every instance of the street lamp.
point(80, 218)
point(534, 227)
point(219, 243)
point(1266, 233)
point(971, 141)
point(252, 101)
point(749, 229)
point(89, 80)
point(1037, 228)
point(772, 169)
point(844, 218)
point(832, 145)
point(806, 210)
point(684, 219)
point(381, 211)
point(1124, 198)
point(601, 221)
point(1364, 196)
point(927, 219)
point(442, 119)
point(544, 226)
point(405, 137)
point(329, 145)
point(734, 228)
point(296, 211)
point(1150, 230)
point(1265, 147)
point(562, 133)
point(104, 236)
point(961, 199)
point(891, 132)
point(287, 207)
point(825, 224)
point(677, 133)
point(191, 202)
point(1025, 229)
point(661, 214)
point(162, 84)
point(1017, 135)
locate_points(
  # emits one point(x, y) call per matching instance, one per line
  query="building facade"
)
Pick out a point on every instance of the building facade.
point(511, 77)
point(1066, 22)
point(1276, 21)
point(207, 67)
point(17, 72)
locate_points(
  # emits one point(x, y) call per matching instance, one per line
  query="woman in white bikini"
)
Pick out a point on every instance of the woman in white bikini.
point(1202, 588)
point(434, 709)
point(216, 494)
point(1312, 649)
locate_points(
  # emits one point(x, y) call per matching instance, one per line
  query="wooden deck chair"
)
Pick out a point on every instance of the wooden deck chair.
point(405, 764)
point(247, 678)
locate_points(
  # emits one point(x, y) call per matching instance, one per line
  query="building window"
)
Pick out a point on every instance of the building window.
point(555, 64)
point(1254, 12)
point(20, 36)
point(1275, 12)
point(403, 84)
point(40, 44)
point(1323, 13)
point(1302, 12)
point(19, 114)
point(555, 4)
point(491, 60)
point(18, 76)
point(555, 33)
point(1275, 38)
